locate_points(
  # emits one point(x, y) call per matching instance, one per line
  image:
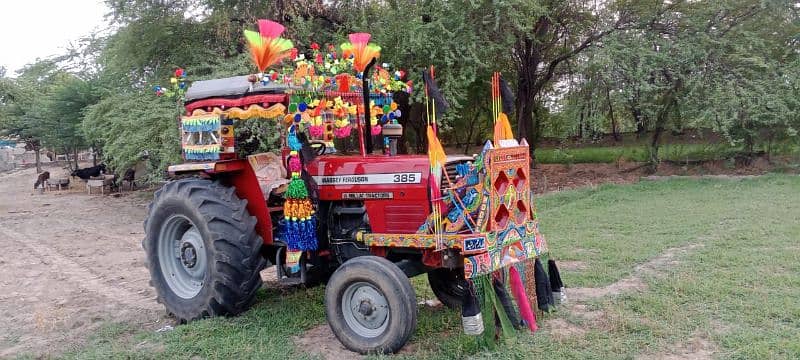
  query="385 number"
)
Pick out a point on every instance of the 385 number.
point(405, 178)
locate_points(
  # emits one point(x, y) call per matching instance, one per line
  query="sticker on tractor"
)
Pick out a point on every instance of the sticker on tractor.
point(474, 244)
point(367, 195)
point(370, 179)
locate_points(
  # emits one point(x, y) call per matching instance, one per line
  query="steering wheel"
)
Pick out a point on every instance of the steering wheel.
point(318, 146)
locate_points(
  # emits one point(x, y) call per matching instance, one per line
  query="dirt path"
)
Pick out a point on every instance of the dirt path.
point(71, 263)
point(635, 281)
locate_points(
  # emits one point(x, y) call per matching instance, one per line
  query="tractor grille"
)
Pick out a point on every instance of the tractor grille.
point(450, 169)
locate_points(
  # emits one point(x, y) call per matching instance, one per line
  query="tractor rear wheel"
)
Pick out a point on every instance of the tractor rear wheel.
point(202, 250)
point(370, 305)
point(448, 285)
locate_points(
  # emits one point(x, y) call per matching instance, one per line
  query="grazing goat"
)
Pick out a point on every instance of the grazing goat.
point(89, 172)
point(130, 178)
point(41, 180)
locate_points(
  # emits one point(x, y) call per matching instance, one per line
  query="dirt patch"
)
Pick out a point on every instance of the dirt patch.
point(585, 313)
point(561, 329)
point(558, 177)
point(320, 341)
point(633, 282)
point(571, 265)
point(698, 177)
point(73, 263)
point(697, 348)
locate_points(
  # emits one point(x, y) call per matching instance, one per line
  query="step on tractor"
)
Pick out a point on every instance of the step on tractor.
point(322, 206)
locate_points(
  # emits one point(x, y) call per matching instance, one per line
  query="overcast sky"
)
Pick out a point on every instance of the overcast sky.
point(31, 29)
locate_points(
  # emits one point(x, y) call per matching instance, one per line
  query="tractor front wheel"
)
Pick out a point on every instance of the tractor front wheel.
point(448, 285)
point(371, 306)
point(202, 250)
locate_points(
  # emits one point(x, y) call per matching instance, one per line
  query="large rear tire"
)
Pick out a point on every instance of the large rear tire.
point(371, 306)
point(448, 285)
point(202, 250)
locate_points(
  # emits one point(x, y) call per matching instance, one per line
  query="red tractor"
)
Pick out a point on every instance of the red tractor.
point(380, 218)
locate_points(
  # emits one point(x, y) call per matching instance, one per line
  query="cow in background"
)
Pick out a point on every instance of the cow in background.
point(89, 172)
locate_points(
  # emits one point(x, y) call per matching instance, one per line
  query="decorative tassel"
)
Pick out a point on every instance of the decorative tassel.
point(266, 45)
point(518, 289)
point(559, 293)
point(530, 282)
point(471, 318)
point(360, 50)
point(200, 123)
point(294, 143)
point(297, 189)
point(544, 294)
point(201, 152)
point(505, 300)
point(300, 229)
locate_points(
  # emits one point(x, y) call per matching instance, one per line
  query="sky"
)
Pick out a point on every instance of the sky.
point(31, 29)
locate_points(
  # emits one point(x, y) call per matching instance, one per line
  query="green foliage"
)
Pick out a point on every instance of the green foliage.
point(62, 112)
point(23, 103)
point(577, 69)
point(132, 126)
point(728, 66)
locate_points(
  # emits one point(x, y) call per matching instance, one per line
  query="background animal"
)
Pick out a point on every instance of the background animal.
point(41, 179)
point(89, 172)
point(130, 178)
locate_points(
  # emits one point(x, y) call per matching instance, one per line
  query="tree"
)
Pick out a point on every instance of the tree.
point(62, 114)
point(747, 88)
point(21, 100)
point(543, 36)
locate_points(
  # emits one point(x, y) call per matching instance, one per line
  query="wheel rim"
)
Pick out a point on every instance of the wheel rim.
point(365, 309)
point(182, 256)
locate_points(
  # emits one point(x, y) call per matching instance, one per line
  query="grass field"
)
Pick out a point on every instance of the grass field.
point(639, 153)
point(733, 292)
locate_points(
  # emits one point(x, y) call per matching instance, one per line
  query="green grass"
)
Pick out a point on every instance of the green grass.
point(739, 289)
point(638, 153)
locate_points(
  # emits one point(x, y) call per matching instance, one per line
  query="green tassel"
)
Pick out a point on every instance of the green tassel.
point(493, 313)
point(297, 189)
point(483, 285)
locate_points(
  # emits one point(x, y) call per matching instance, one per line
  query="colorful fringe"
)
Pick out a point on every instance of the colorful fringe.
point(300, 225)
point(200, 123)
point(201, 152)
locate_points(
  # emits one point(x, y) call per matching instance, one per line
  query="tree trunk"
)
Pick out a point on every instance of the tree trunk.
point(525, 123)
point(639, 120)
point(614, 128)
point(471, 131)
point(668, 102)
point(38, 160)
point(75, 158)
point(402, 100)
point(655, 141)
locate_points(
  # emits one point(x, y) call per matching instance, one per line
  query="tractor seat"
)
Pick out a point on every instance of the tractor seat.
point(269, 170)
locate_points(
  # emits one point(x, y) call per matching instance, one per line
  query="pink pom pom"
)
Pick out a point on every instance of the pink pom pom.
point(294, 164)
point(342, 132)
point(376, 130)
point(316, 131)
